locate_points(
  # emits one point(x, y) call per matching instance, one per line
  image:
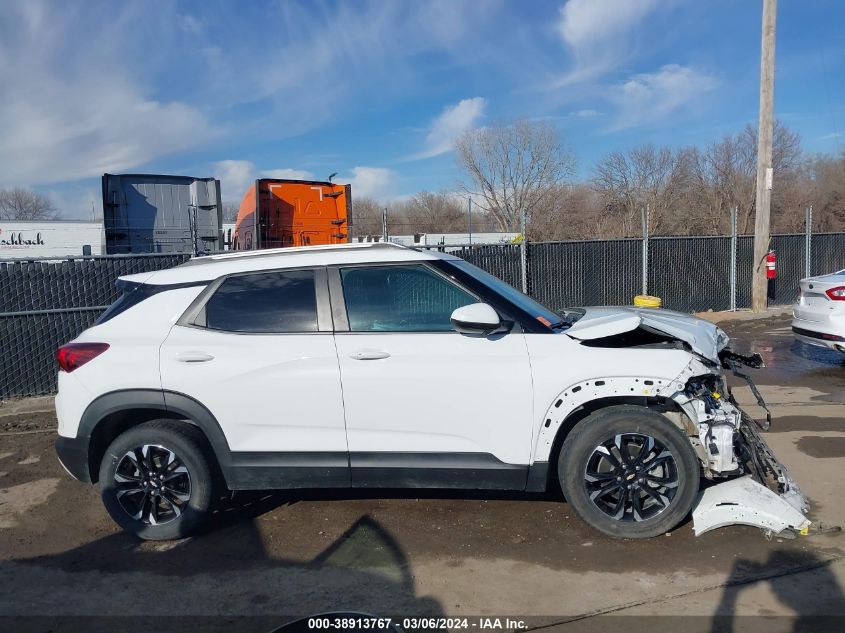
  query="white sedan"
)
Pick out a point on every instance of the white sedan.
point(819, 315)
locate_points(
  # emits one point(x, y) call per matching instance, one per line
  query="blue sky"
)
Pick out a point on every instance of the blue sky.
point(377, 91)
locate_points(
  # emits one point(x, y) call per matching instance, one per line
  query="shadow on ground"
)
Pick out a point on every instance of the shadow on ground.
point(228, 571)
point(818, 607)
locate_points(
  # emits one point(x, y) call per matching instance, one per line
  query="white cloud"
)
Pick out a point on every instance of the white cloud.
point(86, 92)
point(67, 118)
point(189, 24)
point(73, 129)
point(599, 34)
point(307, 71)
point(371, 182)
point(452, 122)
point(288, 174)
point(234, 176)
point(75, 202)
point(585, 114)
point(652, 97)
point(830, 137)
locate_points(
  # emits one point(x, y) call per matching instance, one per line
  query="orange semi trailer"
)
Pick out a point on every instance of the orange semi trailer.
point(278, 213)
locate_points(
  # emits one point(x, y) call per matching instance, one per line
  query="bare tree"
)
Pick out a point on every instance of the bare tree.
point(657, 177)
point(569, 212)
point(366, 217)
point(729, 169)
point(19, 203)
point(691, 191)
point(441, 212)
point(825, 184)
point(513, 167)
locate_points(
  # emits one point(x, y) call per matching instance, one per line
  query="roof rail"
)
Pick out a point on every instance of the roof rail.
point(290, 250)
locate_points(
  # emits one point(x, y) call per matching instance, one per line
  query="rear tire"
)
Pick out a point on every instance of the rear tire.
point(156, 480)
point(629, 472)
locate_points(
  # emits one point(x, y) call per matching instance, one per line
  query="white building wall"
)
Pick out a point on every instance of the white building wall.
point(228, 229)
point(446, 239)
point(20, 239)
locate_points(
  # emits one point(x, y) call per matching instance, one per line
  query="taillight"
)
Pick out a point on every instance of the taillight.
point(830, 337)
point(74, 355)
point(837, 294)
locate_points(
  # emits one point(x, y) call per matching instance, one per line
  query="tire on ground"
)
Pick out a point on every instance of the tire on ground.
point(606, 423)
point(188, 443)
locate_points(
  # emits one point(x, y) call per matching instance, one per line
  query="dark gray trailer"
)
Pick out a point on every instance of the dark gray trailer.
point(149, 213)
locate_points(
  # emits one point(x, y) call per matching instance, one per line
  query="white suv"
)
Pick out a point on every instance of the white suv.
point(381, 366)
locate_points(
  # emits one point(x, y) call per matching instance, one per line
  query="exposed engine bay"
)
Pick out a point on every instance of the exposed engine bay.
point(754, 487)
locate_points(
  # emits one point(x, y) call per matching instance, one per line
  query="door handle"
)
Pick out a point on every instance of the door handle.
point(193, 356)
point(369, 354)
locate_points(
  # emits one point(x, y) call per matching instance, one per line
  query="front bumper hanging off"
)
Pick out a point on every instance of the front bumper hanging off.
point(767, 497)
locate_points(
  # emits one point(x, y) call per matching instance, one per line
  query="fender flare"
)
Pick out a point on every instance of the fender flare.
point(170, 402)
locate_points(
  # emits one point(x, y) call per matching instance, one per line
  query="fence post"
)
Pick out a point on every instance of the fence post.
point(469, 218)
point(644, 213)
point(734, 245)
point(384, 224)
point(523, 252)
point(808, 240)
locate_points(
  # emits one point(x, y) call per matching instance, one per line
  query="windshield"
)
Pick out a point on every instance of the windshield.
point(524, 302)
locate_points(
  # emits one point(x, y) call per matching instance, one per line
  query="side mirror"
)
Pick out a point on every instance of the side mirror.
point(476, 318)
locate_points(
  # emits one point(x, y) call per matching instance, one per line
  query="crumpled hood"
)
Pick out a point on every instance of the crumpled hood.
point(703, 337)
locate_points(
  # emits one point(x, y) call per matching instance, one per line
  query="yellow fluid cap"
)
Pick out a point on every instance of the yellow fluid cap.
point(647, 301)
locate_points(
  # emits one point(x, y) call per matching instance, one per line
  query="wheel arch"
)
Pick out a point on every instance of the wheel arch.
point(116, 412)
point(586, 397)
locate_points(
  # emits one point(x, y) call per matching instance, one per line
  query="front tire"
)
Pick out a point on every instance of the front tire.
point(629, 472)
point(156, 480)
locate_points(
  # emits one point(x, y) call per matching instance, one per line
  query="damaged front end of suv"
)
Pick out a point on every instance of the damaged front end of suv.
point(750, 486)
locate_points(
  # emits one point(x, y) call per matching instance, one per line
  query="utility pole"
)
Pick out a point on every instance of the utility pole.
point(764, 156)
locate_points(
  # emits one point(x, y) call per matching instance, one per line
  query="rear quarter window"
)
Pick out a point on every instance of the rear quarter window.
point(133, 294)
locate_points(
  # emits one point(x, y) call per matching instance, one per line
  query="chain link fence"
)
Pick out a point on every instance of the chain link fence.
point(690, 274)
point(563, 274)
point(44, 304)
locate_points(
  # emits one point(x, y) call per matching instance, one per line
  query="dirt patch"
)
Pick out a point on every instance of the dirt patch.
point(821, 447)
point(22, 498)
point(28, 423)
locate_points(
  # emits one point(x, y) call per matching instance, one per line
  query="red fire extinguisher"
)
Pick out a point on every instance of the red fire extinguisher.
point(771, 265)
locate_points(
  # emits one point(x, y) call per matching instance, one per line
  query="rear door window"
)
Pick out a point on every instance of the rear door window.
point(279, 301)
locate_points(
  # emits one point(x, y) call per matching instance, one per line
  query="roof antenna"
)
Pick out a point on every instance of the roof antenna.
point(332, 176)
